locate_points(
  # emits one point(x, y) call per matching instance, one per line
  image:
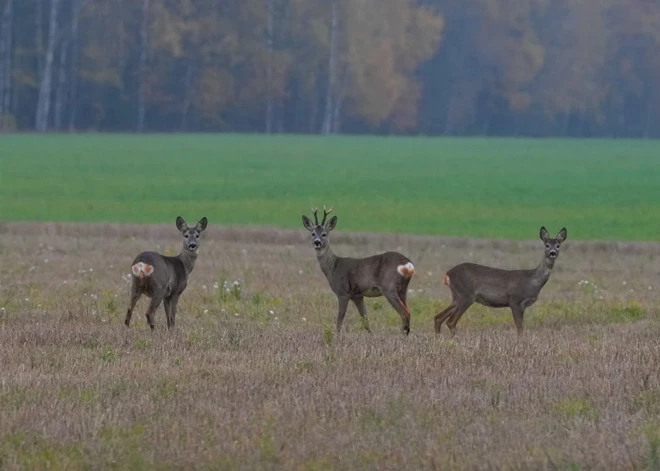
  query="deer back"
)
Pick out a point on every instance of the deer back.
point(168, 273)
point(355, 275)
point(493, 286)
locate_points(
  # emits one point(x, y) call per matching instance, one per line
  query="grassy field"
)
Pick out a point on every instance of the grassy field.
point(487, 188)
point(254, 377)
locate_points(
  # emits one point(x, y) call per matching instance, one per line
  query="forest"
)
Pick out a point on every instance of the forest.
point(568, 68)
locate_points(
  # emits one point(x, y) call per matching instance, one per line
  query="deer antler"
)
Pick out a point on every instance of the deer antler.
point(325, 214)
point(316, 218)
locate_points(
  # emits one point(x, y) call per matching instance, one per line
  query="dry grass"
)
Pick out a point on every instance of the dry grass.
point(236, 386)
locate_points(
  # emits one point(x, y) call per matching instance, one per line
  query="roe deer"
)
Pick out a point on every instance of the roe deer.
point(493, 287)
point(387, 274)
point(164, 278)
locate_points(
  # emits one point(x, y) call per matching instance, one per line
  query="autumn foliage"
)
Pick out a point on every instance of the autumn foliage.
point(494, 67)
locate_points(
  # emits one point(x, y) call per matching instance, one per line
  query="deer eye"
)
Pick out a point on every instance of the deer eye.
point(547, 246)
point(323, 235)
point(196, 236)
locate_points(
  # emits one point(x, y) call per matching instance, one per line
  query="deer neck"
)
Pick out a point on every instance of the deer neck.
point(188, 258)
point(327, 260)
point(542, 272)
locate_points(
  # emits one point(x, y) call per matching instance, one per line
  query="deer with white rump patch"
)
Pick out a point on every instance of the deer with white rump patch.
point(493, 287)
point(164, 278)
point(352, 279)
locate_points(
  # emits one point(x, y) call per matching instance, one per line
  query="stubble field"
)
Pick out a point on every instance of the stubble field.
point(254, 377)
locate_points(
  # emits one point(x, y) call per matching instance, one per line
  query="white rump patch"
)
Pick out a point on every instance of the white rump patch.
point(141, 269)
point(406, 270)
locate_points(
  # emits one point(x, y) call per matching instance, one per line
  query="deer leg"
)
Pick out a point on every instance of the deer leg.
point(342, 305)
point(151, 310)
point(174, 301)
point(167, 303)
point(459, 310)
point(399, 306)
point(136, 292)
point(403, 294)
point(362, 309)
point(444, 315)
point(518, 311)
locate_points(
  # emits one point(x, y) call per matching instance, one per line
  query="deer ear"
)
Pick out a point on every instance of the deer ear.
point(181, 224)
point(201, 225)
point(561, 237)
point(331, 224)
point(307, 223)
point(544, 234)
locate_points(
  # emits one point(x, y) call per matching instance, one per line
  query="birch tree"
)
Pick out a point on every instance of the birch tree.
point(44, 102)
point(74, 63)
point(144, 44)
point(6, 36)
point(331, 89)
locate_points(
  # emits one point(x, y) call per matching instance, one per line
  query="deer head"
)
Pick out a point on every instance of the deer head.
point(191, 236)
point(552, 245)
point(320, 232)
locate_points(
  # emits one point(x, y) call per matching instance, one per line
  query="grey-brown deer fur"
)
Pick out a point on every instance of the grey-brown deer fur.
point(352, 279)
point(494, 287)
point(164, 278)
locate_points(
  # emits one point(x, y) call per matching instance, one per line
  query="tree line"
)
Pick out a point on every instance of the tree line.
point(432, 67)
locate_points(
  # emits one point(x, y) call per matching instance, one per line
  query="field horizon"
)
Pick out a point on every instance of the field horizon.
point(455, 187)
point(255, 377)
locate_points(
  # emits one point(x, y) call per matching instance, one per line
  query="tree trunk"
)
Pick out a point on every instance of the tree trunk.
point(567, 120)
point(338, 101)
point(60, 94)
point(6, 33)
point(269, 69)
point(39, 36)
point(449, 118)
point(144, 39)
point(15, 100)
point(185, 108)
point(649, 115)
point(43, 104)
point(75, 60)
point(295, 125)
point(582, 116)
point(336, 115)
point(281, 118)
point(316, 108)
point(326, 127)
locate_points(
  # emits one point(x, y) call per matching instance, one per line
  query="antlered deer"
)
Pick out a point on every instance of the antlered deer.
point(164, 278)
point(352, 279)
point(493, 287)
